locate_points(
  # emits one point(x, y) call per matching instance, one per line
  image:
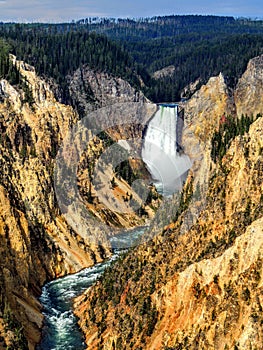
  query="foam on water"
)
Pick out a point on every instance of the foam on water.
point(61, 330)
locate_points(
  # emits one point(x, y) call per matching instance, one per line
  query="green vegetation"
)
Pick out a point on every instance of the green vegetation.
point(229, 128)
point(197, 46)
point(185, 199)
point(125, 171)
point(7, 70)
point(10, 72)
point(18, 340)
point(57, 52)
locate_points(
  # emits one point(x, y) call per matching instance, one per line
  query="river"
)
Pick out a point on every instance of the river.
point(61, 331)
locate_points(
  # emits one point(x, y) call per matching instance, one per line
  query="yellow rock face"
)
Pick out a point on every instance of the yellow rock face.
point(36, 242)
point(214, 300)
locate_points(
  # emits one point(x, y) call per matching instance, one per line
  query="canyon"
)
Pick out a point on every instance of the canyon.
point(198, 282)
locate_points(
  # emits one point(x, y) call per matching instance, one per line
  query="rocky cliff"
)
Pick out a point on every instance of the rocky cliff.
point(37, 244)
point(101, 88)
point(198, 284)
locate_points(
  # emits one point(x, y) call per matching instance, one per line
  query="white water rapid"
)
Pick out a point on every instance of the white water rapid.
point(61, 331)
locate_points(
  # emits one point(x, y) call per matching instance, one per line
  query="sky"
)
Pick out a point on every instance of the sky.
point(67, 10)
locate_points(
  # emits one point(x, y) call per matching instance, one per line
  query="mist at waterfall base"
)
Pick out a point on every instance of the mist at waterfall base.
point(162, 151)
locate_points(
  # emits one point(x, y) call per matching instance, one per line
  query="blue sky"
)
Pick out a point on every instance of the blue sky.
point(66, 10)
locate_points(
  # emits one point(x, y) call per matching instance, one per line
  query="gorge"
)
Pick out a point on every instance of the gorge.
point(60, 325)
point(218, 261)
point(60, 328)
point(187, 269)
point(198, 282)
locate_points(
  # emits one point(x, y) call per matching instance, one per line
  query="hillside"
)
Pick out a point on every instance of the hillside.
point(197, 47)
point(36, 242)
point(193, 48)
point(198, 284)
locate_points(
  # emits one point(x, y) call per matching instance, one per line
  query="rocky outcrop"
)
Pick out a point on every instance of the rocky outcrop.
point(204, 110)
point(123, 113)
point(102, 90)
point(164, 72)
point(37, 243)
point(249, 100)
point(190, 89)
point(198, 285)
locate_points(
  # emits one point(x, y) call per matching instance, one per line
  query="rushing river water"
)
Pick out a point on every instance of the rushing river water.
point(61, 331)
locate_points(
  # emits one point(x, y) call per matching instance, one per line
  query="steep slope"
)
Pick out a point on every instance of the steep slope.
point(37, 244)
point(249, 101)
point(102, 88)
point(198, 284)
point(128, 110)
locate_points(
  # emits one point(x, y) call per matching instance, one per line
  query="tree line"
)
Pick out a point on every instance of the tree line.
point(57, 53)
point(197, 46)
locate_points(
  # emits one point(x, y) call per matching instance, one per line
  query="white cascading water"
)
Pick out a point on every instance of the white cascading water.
point(161, 151)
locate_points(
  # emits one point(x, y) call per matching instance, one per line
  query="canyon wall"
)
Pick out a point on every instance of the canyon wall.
point(198, 283)
point(37, 243)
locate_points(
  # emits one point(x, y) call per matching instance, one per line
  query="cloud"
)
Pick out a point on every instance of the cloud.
point(48, 10)
point(66, 10)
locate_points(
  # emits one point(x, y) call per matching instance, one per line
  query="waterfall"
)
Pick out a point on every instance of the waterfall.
point(162, 151)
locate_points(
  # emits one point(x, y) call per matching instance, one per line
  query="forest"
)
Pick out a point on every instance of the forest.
point(196, 47)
